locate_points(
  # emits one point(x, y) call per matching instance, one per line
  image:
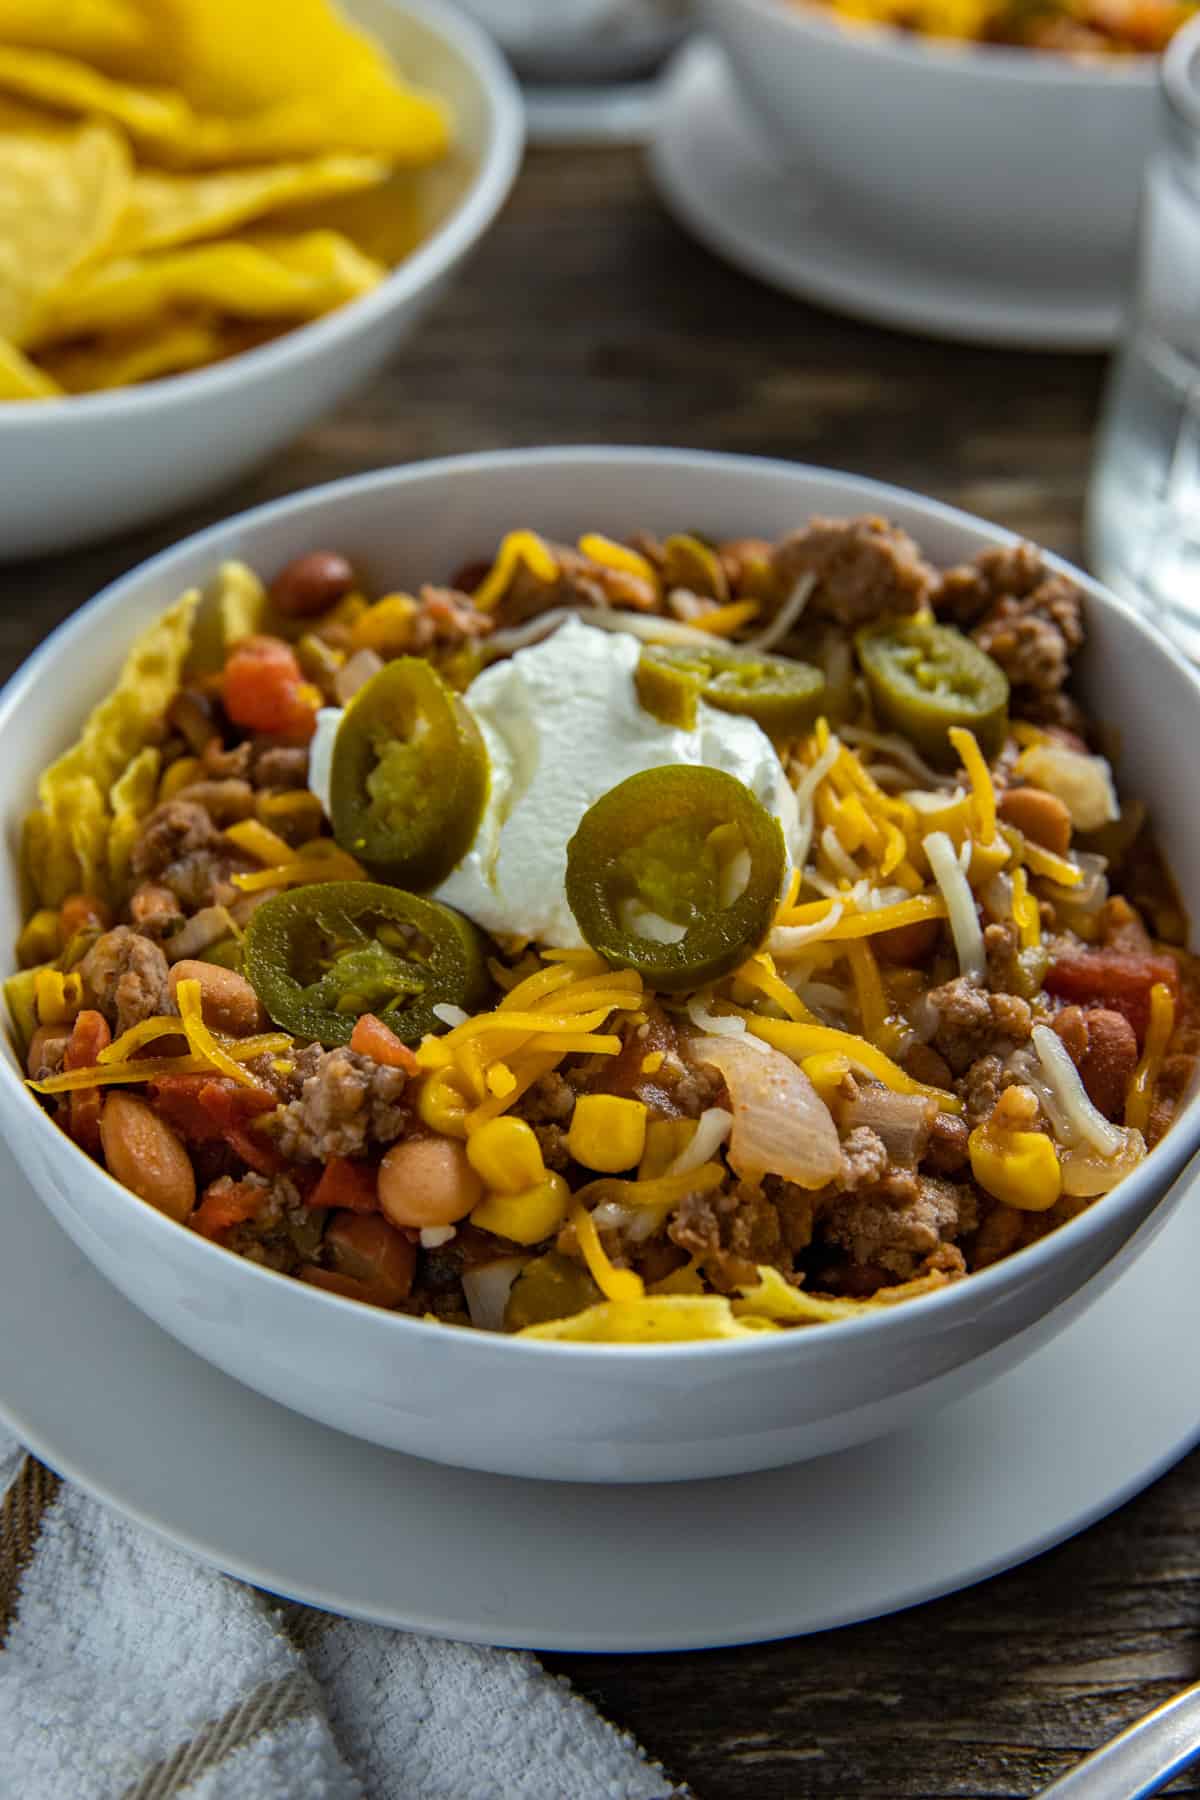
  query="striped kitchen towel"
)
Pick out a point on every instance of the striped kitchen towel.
point(129, 1672)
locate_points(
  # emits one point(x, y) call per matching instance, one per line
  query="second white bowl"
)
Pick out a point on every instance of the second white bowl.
point(93, 465)
point(969, 153)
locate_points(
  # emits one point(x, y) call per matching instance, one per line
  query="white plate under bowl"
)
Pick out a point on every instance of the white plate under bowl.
point(782, 226)
point(123, 1410)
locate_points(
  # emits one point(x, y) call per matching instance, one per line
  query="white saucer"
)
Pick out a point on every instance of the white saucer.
point(111, 1402)
point(713, 174)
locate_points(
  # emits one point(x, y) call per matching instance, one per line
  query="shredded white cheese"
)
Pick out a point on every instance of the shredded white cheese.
point(712, 1128)
point(787, 616)
point(449, 1015)
point(960, 904)
point(1081, 1119)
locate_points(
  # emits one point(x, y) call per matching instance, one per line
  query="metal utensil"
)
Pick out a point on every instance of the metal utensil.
point(1141, 1760)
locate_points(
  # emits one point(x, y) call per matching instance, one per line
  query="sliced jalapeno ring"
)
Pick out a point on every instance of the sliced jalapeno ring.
point(409, 776)
point(649, 866)
point(782, 696)
point(318, 957)
point(924, 678)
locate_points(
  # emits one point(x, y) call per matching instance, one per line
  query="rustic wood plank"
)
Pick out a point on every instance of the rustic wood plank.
point(588, 317)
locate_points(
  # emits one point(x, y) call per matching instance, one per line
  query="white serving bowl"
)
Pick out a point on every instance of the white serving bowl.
point(969, 154)
point(578, 1412)
point(88, 467)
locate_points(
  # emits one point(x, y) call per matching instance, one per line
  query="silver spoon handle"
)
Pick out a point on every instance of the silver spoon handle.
point(1141, 1760)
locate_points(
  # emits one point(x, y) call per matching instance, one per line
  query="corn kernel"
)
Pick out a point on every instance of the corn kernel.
point(607, 1133)
point(506, 1153)
point(41, 939)
point(386, 627)
point(1019, 1167)
point(442, 1105)
point(987, 860)
point(179, 775)
point(527, 1217)
point(652, 1063)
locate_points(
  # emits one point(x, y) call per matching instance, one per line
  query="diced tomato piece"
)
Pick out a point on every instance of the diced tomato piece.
point(89, 1036)
point(351, 1186)
point(78, 911)
point(371, 1037)
point(206, 1109)
point(1119, 980)
point(226, 1204)
point(264, 689)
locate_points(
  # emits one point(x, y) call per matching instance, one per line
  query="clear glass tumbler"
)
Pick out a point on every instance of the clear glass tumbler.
point(1143, 524)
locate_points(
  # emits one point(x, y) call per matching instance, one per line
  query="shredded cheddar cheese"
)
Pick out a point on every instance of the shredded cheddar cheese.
point(517, 548)
point(611, 555)
point(1140, 1095)
point(614, 1284)
point(800, 1041)
point(201, 1039)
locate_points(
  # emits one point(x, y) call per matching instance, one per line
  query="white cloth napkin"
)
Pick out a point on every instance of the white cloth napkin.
point(129, 1672)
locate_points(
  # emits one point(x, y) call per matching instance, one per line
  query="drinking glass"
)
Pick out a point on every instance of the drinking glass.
point(1143, 524)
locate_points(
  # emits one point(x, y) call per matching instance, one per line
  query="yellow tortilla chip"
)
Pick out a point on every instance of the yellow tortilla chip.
point(130, 798)
point(241, 602)
point(168, 347)
point(356, 107)
point(73, 87)
point(60, 204)
point(66, 839)
point(167, 210)
point(387, 221)
point(21, 379)
point(87, 28)
point(774, 1298)
point(263, 277)
point(316, 83)
point(658, 1319)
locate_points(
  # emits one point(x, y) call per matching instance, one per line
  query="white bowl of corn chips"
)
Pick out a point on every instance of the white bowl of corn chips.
point(586, 1410)
point(967, 155)
point(211, 229)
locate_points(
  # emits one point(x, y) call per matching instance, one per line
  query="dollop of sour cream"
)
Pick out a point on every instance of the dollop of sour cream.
point(563, 724)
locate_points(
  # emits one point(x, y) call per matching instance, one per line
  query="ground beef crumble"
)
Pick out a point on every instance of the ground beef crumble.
point(347, 1104)
point(1028, 619)
point(863, 568)
point(898, 1222)
point(974, 1022)
point(731, 1233)
point(124, 977)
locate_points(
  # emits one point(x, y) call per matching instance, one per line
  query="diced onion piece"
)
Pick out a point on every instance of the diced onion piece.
point(1086, 1173)
point(1083, 783)
point(960, 904)
point(712, 1128)
point(449, 1015)
point(487, 1287)
point(902, 1121)
point(781, 1125)
point(1081, 1118)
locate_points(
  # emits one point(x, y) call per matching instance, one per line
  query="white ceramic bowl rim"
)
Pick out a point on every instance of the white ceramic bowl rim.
point(972, 61)
point(468, 221)
point(938, 1309)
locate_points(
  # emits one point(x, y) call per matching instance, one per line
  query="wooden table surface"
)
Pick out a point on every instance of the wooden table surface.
point(588, 317)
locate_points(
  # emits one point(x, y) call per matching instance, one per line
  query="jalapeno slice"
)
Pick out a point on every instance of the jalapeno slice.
point(782, 696)
point(924, 678)
point(650, 866)
point(318, 957)
point(409, 776)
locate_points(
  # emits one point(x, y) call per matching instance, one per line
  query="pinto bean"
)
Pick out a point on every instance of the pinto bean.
point(427, 1181)
point(227, 1001)
point(143, 1153)
point(311, 584)
point(1039, 816)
